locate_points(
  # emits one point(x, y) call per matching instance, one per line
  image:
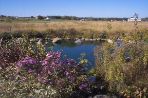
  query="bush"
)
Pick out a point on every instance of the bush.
point(27, 73)
point(10, 54)
point(124, 67)
point(17, 35)
point(6, 36)
point(103, 35)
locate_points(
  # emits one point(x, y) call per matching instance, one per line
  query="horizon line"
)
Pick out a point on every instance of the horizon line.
point(68, 16)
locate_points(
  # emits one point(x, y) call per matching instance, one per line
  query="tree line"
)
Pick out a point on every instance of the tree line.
point(40, 17)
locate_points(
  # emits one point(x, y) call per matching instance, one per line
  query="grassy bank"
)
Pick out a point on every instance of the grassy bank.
point(75, 29)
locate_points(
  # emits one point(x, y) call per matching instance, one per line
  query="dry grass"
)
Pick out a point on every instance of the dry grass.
point(85, 26)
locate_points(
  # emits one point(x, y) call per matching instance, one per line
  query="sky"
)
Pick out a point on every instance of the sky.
point(80, 8)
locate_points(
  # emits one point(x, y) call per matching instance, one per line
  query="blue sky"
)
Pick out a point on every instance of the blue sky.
point(82, 8)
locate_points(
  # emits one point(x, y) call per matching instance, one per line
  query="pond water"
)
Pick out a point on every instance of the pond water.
point(72, 50)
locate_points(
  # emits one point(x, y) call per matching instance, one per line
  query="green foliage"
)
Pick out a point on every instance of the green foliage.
point(125, 66)
point(103, 35)
point(28, 71)
point(14, 85)
point(6, 36)
point(17, 35)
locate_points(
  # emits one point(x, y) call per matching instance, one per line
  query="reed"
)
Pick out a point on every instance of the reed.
point(86, 29)
point(84, 26)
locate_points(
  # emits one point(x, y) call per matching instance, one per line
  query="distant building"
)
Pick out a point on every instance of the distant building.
point(40, 17)
point(36, 17)
point(47, 18)
point(16, 17)
point(82, 19)
point(133, 19)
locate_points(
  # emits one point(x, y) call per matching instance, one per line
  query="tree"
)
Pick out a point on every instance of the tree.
point(40, 17)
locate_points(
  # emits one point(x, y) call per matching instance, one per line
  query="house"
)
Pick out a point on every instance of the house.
point(47, 18)
point(133, 19)
point(82, 19)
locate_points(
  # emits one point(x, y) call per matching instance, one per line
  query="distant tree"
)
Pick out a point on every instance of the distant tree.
point(145, 19)
point(40, 17)
point(2, 16)
point(32, 16)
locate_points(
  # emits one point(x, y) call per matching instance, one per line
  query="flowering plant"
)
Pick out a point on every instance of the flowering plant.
point(66, 76)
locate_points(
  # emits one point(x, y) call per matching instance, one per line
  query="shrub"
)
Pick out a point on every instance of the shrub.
point(124, 67)
point(65, 76)
point(103, 35)
point(9, 54)
point(39, 74)
point(17, 35)
point(6, 36)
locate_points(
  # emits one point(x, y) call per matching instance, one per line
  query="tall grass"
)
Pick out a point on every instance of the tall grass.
point(83, 27)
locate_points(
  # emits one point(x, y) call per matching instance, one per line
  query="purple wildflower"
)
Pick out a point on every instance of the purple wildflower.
point(26, 61)
point(83, 86)
point(54, 71)
point(53, 55)
point(44, 62)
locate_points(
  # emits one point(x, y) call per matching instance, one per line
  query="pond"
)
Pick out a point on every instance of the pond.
point(75, 51)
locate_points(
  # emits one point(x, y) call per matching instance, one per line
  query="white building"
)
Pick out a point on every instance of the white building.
point(47, 18)
point(133, 19)
point(82, 19)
